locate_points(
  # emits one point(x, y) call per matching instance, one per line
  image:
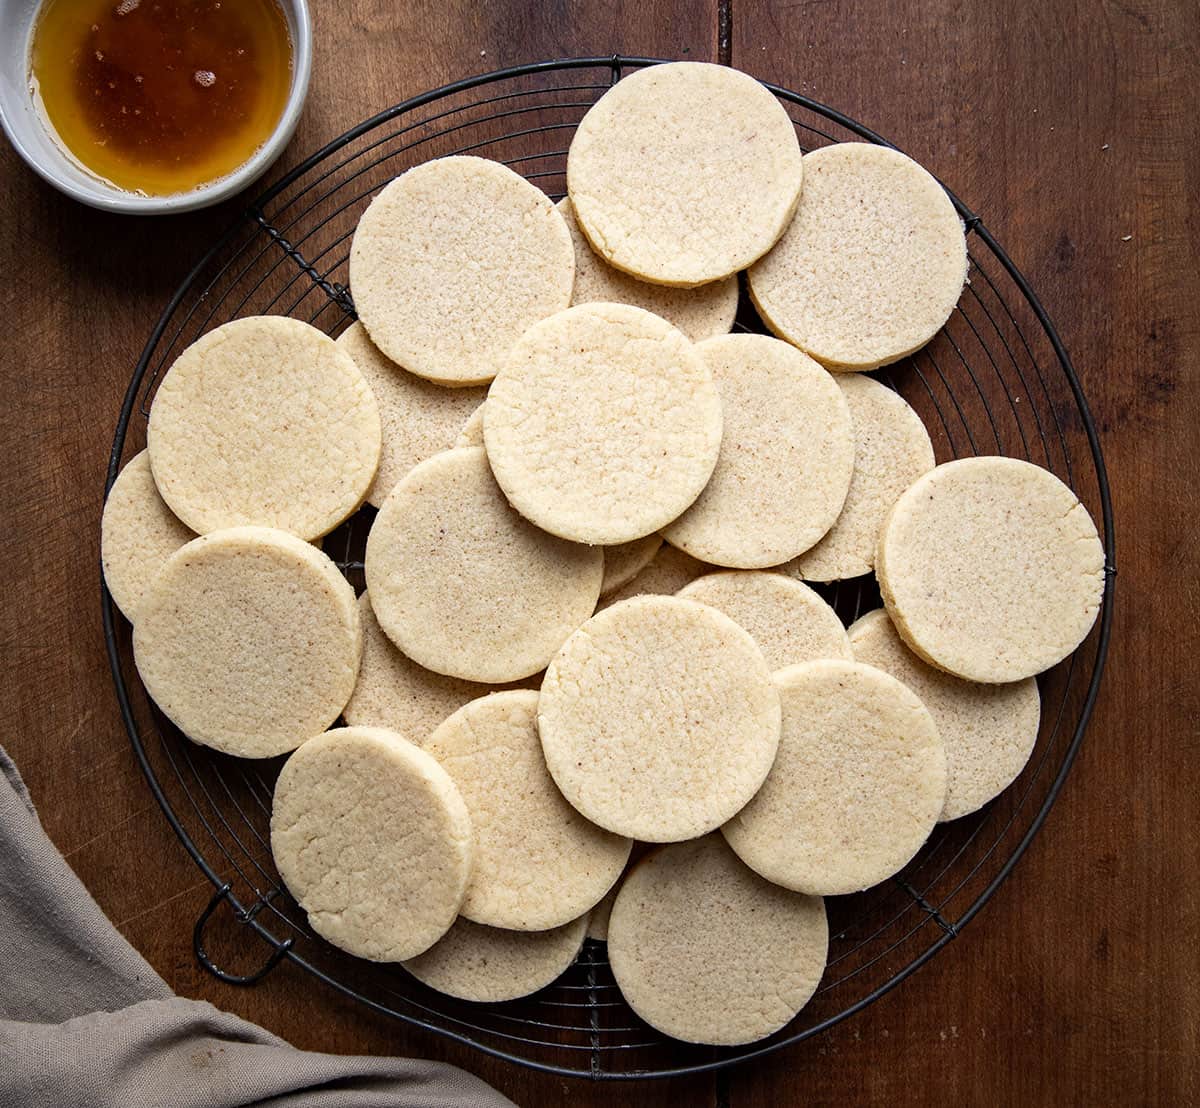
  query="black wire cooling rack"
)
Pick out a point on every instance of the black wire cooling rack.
point(996, 380)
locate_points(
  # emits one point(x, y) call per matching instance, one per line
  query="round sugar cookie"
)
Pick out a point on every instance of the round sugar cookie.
point(789, 622)
point(471, 432)
point(249, 641)
point(138, 533)
point(872, 264)
point(857, 785)
point(991, 568)
point(490, 964)
point(658, 718)
point(699, 312)
point(604, 424)
point(664, 575)
point(891, 450)
point(418, 418)
point(453, 261)
point(623, 562)
point(393, 691)
point(707, 951)
point(373, 840)
point(786, 458)
point(597, 925)
point(989, 730)
point(264, 421)
point(465, 586)
point(538, 862)
point(684, 173)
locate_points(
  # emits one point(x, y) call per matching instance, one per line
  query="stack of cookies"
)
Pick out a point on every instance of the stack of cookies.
point(586, 624)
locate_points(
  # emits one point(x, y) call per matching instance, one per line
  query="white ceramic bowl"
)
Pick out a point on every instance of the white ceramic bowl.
point(27, 130)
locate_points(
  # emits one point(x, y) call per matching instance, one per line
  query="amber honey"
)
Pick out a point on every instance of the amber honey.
point(161, 96)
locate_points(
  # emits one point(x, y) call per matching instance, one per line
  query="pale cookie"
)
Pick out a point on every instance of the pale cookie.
point(699, 313)
point(684, 173)
point(658, 718)
point(264, 421)
point(373, 840)
point(871, 265)
point(789, 622)
point(707, 951)
point(989, 730)
point(471, 432)
point(489, 964)
point(664, 575)
point(249, 641)
point(538, 862)
point(623, 562)
point(891, 450)
point(138, 533)
point(453, 261)
point(857, 785)
point(604, 425)
point(465, 586)
point(597, 924)
point(597, 927)
point(991, 568)
point(786, 458)
point(419, 419)
point(393, 691)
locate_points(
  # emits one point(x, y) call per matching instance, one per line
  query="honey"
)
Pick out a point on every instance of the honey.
point(161, 96)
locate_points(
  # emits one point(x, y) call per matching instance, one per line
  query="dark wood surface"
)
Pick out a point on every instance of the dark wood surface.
point(1072, 128)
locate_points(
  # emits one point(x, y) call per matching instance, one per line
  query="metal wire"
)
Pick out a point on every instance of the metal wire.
point(995, 377)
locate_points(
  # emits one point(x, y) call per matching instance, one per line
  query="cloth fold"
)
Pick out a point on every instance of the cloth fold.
point(85, 1021)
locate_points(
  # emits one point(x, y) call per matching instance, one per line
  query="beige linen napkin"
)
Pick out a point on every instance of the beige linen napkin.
point(85, 1021)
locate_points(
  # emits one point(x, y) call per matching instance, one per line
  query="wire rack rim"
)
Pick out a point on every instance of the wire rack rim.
point(283, 949)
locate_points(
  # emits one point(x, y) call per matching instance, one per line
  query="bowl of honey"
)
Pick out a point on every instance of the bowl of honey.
point(152, 106)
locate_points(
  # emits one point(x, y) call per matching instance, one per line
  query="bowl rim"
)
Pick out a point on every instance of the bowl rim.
point(108, 198)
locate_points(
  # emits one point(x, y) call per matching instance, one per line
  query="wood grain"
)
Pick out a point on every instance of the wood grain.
point(1070, 127)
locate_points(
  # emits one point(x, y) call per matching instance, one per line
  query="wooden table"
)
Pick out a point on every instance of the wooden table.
point(1071, 127)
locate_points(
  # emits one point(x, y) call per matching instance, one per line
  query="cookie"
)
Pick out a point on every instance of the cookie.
point(264, 421)
point(538, 862)
point(789, 622)
point(249, 641)
point(706, 951)
point(699, 313)
point(453, 261)
point(604, 425)
point(418, 418)
point(684, 173)
point(373, 840)
point(471, 432)
point(786, 457)
point(597, 924)
point(1017, 562)
point(857, 785)
point(463, 585)
point(623, 562)
point(658, 718)
point(393, 691)
point(474, 962)
point(989, 730)
point(664, 575)
point(138, 533)
point(891, 450)
point(872, 264)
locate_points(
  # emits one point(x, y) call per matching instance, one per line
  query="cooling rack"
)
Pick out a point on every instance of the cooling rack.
point(995, 380)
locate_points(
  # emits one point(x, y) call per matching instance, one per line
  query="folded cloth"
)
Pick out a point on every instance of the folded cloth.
point(85, 1021)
